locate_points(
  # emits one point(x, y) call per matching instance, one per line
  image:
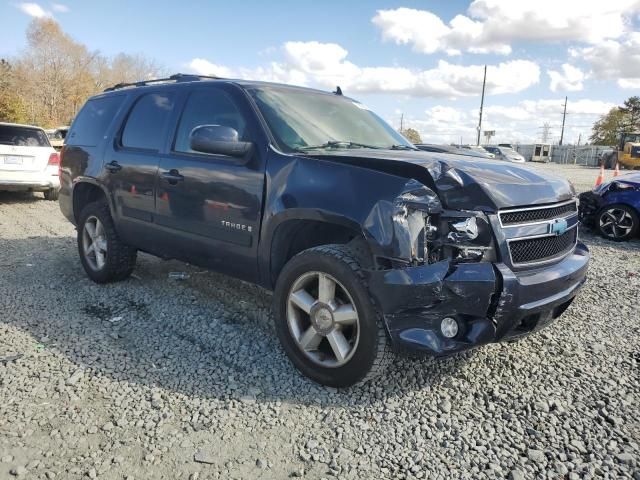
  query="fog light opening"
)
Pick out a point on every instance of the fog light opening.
point(449, 327)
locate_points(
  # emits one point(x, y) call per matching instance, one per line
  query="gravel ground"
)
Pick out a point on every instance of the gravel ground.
point(184, 379)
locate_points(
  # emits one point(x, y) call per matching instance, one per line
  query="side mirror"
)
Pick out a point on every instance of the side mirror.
point(218, 139)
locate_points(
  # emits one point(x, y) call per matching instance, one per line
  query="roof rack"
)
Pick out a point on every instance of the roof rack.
point(178, 77)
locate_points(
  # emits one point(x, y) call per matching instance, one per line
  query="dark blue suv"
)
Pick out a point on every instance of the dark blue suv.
point(367, 242)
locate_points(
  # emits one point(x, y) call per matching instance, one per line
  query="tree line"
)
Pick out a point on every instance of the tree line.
point(626, 118)
point(49, 81)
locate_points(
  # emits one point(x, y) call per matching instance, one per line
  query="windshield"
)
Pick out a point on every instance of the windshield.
point(22, 136)
point(303, 120)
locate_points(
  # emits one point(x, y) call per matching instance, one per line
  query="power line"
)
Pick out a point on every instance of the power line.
point(545, 132)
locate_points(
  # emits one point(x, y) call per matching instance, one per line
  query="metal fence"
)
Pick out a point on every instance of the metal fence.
point(570, 154)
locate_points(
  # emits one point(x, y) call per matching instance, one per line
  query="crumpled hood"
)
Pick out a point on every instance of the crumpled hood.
point(465, 183)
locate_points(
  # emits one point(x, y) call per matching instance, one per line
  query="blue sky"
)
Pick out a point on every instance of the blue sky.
point(421, 59)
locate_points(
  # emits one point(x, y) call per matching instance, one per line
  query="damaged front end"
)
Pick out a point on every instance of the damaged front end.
point(440, 282)
point(434, 264)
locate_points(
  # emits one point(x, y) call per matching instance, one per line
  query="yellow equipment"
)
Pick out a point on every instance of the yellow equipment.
point(629, 150)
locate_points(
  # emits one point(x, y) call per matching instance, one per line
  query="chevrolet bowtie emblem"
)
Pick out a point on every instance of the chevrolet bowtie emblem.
point(558, 226)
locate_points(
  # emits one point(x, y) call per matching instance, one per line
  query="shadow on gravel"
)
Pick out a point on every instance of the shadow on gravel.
point(8, 198)
point(208, 336)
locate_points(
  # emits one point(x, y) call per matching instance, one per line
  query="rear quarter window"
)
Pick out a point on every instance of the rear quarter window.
point(147, 120)
point(90, 126)
point(23, 136)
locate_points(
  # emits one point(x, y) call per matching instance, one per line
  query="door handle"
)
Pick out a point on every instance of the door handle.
point(172, 176)
point(113, 166)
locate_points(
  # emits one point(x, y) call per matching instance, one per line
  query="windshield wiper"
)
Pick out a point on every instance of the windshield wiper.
point(336, 144)
point(402, 147)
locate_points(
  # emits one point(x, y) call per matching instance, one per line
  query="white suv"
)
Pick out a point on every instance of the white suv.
point(28, 162)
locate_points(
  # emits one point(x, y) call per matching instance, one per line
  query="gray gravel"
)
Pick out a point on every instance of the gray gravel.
point(161, 378)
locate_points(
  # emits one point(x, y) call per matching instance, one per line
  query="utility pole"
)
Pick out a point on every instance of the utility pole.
point(484, 82)
point(579, 138)
point(564, 115)
point(401, 122)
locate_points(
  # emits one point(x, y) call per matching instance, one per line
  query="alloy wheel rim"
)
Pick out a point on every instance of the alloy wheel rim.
point(94, 243)
point(616, 222)
point(323, 319)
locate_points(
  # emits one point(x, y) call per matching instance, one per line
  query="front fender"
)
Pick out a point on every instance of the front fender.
point(361, 199)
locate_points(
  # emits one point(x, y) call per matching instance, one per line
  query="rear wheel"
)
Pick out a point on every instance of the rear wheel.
point(326, 320)
point(104, 256)
point(51, 194)
point(617, 222)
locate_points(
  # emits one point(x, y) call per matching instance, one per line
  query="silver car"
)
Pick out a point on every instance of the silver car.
point(505, 153)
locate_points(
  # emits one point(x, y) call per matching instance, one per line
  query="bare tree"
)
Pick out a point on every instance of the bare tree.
point(56, 74)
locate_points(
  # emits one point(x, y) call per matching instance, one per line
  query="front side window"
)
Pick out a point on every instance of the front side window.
point(208, 107)
point(302, 120)
point(147, 120)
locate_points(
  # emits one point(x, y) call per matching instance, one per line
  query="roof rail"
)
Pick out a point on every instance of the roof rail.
point(177, 78)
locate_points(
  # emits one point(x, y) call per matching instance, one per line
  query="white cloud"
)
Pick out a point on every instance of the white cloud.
point(614, 60)
point(493, 25)
point(34, 10)
point(205, 67)
point(326, 65)
point(629, 83)
point(59, 7)
point(569, 79)
point(514, 123)
point(535, 109)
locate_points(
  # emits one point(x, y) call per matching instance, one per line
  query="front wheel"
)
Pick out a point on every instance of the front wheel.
point(104, 256)
point(617, 222)
point(326, 320)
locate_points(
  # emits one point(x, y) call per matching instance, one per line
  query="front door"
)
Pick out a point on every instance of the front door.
point(209, 206)
point(131, 164)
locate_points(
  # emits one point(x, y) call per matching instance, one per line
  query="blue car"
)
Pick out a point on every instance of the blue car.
point(613, 208)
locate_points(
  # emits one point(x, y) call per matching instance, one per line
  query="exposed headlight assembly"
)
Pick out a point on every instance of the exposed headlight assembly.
point(468, 236)
point(426, 233)
point(412, 221)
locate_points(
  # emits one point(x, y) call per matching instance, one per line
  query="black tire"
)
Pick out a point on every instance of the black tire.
point(120, 258)
point(614, 233)
point(51, 194)
point(372, 352)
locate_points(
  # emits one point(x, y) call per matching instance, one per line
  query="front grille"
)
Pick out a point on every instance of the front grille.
point(541, 249)
point(537, 214)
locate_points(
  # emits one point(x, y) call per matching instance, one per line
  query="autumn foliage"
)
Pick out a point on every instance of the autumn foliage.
point(48, 82)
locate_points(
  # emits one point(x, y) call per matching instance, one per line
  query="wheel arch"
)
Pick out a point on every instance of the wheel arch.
point(87, 190)
point(295, 230)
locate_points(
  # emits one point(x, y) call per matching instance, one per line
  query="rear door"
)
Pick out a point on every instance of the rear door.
point(208, 206)
point(131, 164)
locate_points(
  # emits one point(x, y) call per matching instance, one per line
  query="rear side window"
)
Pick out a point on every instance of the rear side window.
point(208, 107)
point(23, 136)
point(92, 122)
point(146, 122)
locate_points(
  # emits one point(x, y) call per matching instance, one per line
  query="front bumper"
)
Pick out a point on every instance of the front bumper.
point(490, 302)
point(590, 204)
